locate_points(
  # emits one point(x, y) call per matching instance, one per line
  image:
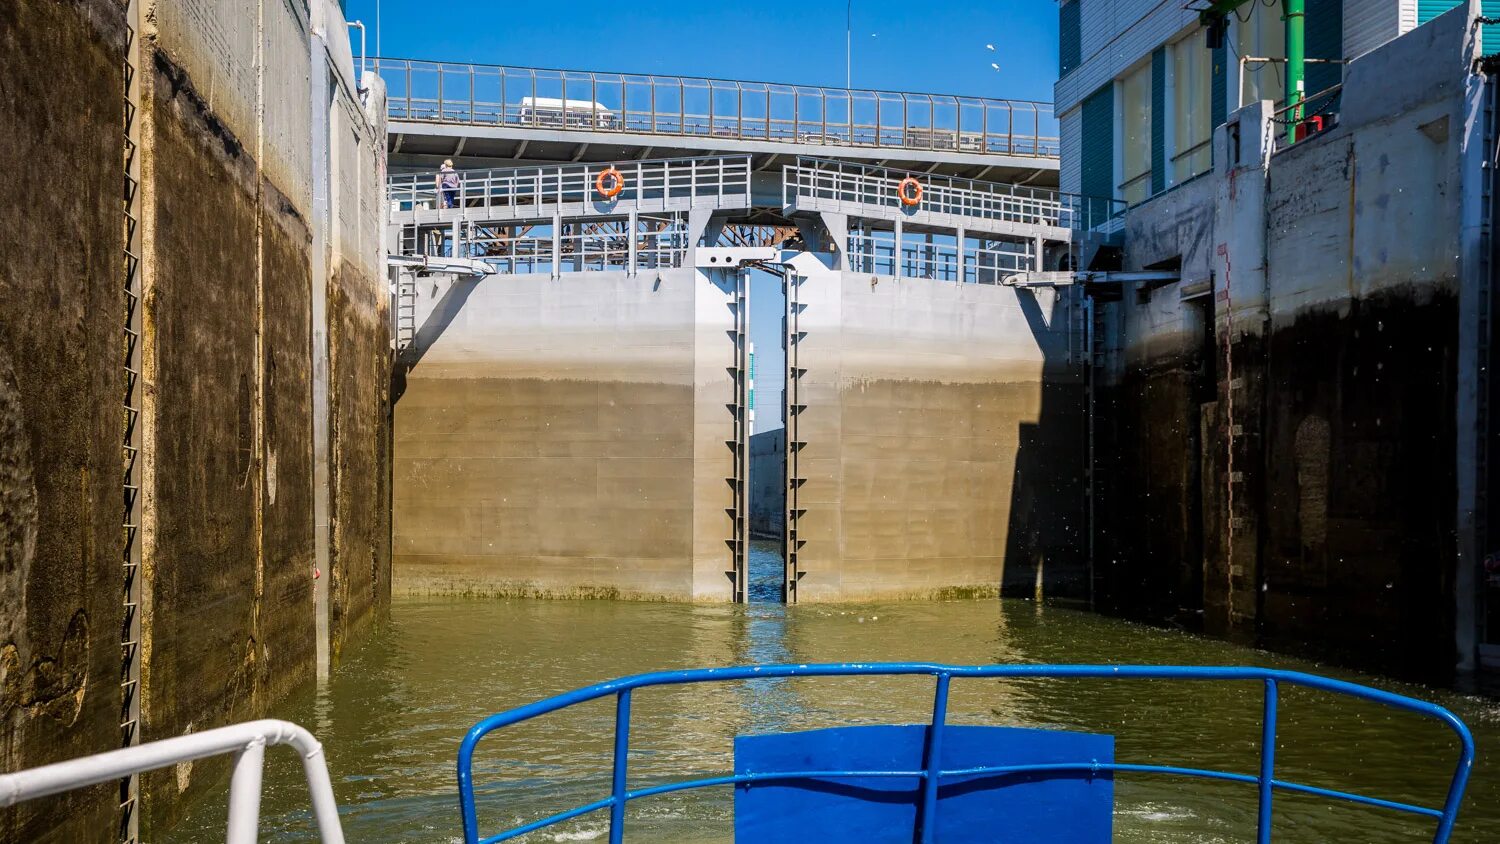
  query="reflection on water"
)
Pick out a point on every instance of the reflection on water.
point(396, 708)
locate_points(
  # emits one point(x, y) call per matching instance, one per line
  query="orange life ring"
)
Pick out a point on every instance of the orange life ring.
point(909, 197)
point(614, 190)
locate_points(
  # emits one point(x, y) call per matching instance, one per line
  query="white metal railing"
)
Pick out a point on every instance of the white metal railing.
point(594, 245)
point(512, 191)
point(493, 95)
point(859, 188)
point(247, 741)
point(875, 253)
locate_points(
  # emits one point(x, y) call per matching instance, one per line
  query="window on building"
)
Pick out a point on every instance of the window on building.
point(1135, 134)
point(1262, 36)
point(1192, 107)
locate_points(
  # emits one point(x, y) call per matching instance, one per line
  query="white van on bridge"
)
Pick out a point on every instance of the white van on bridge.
point(563, 113)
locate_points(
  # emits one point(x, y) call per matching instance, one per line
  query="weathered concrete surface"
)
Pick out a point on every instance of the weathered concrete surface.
point(768, 484)
point(360, 358)
point(60, 388)
point(943, 435)
point(360, 472)
point(228, 492)
point(226, 455)
point(1294, 437)
point(568, 438)
point(564, 438)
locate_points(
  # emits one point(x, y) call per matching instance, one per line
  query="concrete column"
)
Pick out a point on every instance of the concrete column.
point(458, 229)
point(556, 245)
point(896, 264)
point(631, 265)
point(1474, 342)
point(321, 167)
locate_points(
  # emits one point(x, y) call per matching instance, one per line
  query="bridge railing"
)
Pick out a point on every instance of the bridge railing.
point(874, 252)
point(517, 190)
point(819, 184)
point(522, 97)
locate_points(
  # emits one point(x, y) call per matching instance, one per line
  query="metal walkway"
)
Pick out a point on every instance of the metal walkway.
point(556, 219)
point(529, 193)
point(491, 115)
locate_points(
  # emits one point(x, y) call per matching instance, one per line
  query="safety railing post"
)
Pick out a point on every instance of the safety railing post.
point(1010, 129)
point(927, 819)
point(1267, 763)
point(244, 793)
point(622, 754)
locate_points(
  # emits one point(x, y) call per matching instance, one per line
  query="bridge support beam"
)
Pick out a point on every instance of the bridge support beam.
point(836, 233)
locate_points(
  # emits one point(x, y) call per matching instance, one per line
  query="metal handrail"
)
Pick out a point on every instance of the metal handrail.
point(248, 741)
point(499, 95)
point(870, 253)
point(1265, 780)
point(871, 185)
point(512, 188)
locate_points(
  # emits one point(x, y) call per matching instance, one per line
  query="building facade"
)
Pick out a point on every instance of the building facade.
point(1298, 395)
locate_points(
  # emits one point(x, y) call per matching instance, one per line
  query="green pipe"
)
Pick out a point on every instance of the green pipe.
point(1296, 55)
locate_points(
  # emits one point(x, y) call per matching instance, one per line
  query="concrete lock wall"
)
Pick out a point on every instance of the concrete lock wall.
point(768, 484)
point(1289, 411)
point(60, 388)
point(226, 468)
point(943, 439)
point(568, 437)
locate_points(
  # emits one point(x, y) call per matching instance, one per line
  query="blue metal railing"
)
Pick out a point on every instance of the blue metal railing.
point(1265, 780)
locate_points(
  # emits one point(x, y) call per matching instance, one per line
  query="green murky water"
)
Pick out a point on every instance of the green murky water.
point(393, 714)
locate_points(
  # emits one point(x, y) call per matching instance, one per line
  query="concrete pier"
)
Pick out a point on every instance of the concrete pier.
point(568, 437)
point(937, 439)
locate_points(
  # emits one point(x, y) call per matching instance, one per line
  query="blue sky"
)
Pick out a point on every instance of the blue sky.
point(932, 47)
point(940, 46)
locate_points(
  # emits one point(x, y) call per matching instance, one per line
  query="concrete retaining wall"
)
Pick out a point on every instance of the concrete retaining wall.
point(567, 437)
point(1293, 428)
point(943, 435)
point(227, 467)
point(60, 389)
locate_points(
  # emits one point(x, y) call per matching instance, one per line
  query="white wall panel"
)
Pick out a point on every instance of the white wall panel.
point(1071, 130)
point(1370, 23)
point(1116, 34)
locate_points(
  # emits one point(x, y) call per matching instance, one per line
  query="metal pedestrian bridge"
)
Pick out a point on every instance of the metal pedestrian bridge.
point(490, 115)
point(644, 216)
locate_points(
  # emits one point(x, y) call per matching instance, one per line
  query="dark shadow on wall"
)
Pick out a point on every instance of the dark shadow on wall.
point(1046, 546)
